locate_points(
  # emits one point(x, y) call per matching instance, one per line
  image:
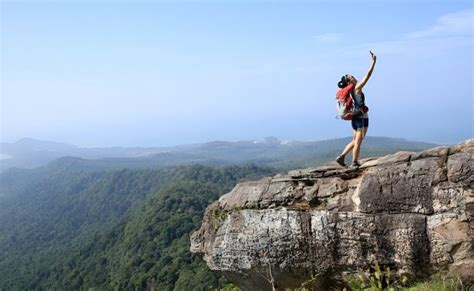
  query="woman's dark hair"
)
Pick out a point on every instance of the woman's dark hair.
point(343, 83)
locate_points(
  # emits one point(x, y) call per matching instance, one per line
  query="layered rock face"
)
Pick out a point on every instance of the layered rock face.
point(410, 211)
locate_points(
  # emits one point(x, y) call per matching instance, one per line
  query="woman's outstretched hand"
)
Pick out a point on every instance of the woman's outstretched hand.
point(374, 57)
point(362, 83)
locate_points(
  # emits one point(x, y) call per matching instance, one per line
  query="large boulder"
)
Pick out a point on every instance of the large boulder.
point(410, 211)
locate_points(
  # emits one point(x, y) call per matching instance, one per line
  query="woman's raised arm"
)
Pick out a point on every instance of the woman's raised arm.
point(366, 78)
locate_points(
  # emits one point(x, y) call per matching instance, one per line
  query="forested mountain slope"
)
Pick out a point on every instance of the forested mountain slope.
point(124, 229)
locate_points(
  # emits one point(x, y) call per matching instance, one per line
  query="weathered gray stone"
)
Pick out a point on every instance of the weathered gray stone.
point(448, 196)
point(246, 193)
point(331, 186)
point(441, 151)
point(398, 240)
point(410, 211)
point(399, 157)
point(465, 146)
point(451, 242)
point(460, 167)
point(369, 162)
point(401, 188)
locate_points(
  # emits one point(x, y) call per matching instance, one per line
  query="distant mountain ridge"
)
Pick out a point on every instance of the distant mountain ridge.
point(63, 228)
point(30, 153)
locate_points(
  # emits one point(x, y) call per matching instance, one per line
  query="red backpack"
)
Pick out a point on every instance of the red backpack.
point(346, 106)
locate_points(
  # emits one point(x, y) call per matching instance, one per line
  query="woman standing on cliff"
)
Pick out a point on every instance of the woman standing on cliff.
point(360, 124)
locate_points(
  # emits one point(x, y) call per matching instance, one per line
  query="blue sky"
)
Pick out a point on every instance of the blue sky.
point(162, 73)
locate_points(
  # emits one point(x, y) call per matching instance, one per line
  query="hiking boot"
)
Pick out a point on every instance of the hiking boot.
point(355, 164)
point(340, 161)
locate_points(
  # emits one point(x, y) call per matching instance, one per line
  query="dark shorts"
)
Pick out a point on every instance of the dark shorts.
point(360, 123)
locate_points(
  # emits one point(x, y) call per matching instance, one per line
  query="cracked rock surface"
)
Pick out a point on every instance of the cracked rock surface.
point(410, 211)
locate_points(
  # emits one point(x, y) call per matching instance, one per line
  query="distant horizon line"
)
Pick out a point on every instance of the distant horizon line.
point(262, 139)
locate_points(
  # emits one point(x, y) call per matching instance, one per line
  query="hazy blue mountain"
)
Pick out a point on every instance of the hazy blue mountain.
point(29, 153)
point(29, 145)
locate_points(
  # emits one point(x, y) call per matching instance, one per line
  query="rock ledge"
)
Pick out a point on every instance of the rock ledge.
point(410, 211)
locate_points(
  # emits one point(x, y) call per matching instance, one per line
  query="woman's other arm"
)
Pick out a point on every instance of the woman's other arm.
point(366, 78)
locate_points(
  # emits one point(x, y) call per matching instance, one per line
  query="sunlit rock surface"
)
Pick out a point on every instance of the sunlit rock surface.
point(410, 211)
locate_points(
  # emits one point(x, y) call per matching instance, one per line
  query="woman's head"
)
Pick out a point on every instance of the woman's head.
point(346, 80)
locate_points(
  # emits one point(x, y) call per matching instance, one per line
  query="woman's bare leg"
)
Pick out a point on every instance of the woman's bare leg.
point(359, 136)
point(350, 145)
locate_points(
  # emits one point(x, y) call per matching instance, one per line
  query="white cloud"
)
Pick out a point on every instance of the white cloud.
point(453, 24)
point(328, 37)
point(449, 32)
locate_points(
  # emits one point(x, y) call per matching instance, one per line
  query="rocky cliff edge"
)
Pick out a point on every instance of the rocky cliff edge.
point(409, 211)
